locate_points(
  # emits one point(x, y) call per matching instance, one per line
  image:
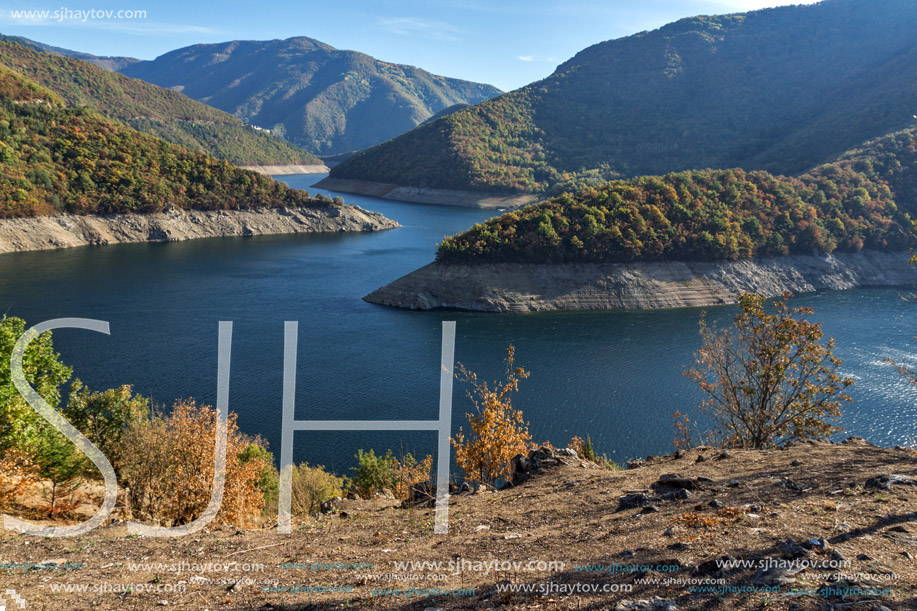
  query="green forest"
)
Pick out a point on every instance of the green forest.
point(781, 90)
point(167, 114)
point(58, 159)
point(866, 199)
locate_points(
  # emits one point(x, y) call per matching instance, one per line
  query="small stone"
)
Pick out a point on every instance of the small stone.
point(655, 604)
point(907, 555)
point(837, 556)
point(676, 481)
point(670, 531)
point(884, 482)
point(700, 458)
point(512, 536)
point(791, 549)
point(628, 553)
point(724, 455)
point(715, 503)
point(481, 527)
point(650, 509)
point(632, 501)
point(795, 463)
point(864, 557)
point(163, 603)
point(772, 575)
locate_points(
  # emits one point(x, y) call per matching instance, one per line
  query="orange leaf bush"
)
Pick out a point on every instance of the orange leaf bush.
point(498, 431)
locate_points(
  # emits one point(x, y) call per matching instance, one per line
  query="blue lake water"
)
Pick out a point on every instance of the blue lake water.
point(613, 375)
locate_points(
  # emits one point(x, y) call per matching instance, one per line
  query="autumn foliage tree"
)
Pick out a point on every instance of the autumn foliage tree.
point(497, 431)
point(770, 379)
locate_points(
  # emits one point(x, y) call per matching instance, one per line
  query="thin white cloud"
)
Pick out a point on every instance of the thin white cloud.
point(411, 26)
point(550, 59)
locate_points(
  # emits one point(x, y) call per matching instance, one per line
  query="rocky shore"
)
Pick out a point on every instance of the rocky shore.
point(68, 230)
point(517, 287)
point(278, 170)
point(420, 195)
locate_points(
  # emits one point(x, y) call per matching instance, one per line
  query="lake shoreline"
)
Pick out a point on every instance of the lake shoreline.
point(521, 287)
point(284, 170)
point(422, 195)
point(70, 230)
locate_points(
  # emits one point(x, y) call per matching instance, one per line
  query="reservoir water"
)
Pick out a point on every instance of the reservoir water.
point(616, 376)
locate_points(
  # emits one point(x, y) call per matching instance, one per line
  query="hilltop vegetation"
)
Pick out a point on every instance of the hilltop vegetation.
point(781, 90)
point(150, 109)
point(102, 61)
point(58, 159)
point(864, 200)
point(323, 99)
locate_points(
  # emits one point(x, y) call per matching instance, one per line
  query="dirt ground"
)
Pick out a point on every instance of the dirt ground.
point(574, 536)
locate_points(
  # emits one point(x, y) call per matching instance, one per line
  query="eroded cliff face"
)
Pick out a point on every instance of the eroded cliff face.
point(68, 230)
point(515, 287)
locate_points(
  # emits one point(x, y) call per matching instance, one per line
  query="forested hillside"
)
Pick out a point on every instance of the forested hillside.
point(151, 109)
point(780, 89)
point(59, 159)
point(866, 199)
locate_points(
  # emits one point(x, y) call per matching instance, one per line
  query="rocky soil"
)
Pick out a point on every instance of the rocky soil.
point(512, 287)
point(68, 230)
point(815, 526)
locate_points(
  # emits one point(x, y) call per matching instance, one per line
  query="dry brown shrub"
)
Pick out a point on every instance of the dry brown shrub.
point(169, 468)
point(18, 475)
point(408, 473)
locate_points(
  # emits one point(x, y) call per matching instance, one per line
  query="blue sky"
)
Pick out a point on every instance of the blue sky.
point(507, 43)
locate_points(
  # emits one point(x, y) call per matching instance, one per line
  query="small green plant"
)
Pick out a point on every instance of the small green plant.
point(372, 473)
point(311, 487)
point(269, 479)
point(399, 476)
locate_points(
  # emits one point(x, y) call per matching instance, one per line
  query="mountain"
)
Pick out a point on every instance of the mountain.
point(865, 199)
point(323, 99)
point(107, 62)
point(59, 159)
point(780, 90)
point(154, 110)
